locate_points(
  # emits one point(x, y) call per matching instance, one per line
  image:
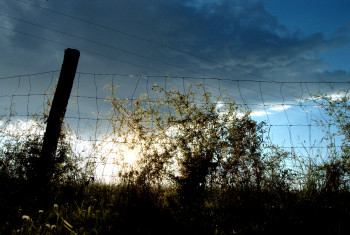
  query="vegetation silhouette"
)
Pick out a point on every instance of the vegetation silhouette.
point(202, 169)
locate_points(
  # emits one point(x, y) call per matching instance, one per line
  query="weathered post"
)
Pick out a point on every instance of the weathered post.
point(55, 119)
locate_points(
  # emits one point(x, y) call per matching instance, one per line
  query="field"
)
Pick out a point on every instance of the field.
point(133, 209)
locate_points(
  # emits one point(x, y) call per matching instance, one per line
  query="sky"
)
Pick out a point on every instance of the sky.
point(245, 45)
point(248, 39)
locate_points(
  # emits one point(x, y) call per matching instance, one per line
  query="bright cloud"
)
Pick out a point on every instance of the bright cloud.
point(280, 108)
point(259, 113)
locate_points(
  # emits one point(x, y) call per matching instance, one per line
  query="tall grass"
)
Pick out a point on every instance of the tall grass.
point(134, 209)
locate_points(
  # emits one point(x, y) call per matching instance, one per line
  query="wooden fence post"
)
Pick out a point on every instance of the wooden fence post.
point(56, 116)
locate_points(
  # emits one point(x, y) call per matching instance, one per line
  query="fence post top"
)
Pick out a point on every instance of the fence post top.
point(72, 50)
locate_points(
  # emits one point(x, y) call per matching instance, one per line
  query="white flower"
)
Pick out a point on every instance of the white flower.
point(25, 217)
point(55, 206)
point(53, 226)
point(48, 226)
point(41, 211)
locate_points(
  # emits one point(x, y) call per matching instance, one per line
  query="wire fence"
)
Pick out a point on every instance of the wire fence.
point(289, 109)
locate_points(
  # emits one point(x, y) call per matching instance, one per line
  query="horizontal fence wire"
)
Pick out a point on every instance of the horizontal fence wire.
point(289, 109)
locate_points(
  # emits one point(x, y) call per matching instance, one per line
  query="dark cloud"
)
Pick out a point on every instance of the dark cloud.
point(222, 38)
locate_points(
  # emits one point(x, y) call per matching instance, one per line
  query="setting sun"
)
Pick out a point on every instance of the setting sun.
point(130, 156)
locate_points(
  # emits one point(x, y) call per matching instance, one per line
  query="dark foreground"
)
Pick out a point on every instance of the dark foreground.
point(131, 209)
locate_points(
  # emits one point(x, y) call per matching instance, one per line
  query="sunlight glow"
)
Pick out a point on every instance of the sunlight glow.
point(109, 156)
point(113, 158)
point(130, 156)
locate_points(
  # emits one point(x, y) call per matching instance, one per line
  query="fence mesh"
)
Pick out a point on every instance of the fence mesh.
point(289, 109)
